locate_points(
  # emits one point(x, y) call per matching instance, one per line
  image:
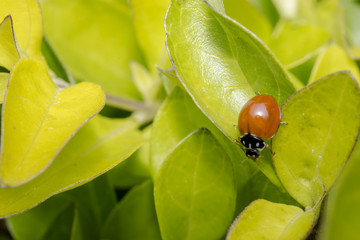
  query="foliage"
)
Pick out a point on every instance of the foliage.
point(116, 124)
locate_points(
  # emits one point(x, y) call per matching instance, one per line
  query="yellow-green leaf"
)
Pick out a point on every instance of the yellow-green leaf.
point(292, 45)
point(96, 148)
point(95, 39)
point(4, 78)
point(8, 50)
point(267, 220)
point(39, 118)
point(322, 128)
point(27, 23)
point(333, 59)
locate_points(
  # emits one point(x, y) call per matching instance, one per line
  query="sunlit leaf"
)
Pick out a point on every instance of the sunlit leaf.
point(333, 59)
point(134, 217)
point(248, 16)
point(294, 43)
point(266, 220)
point(316, 142)
point(8, 50)
point(220, 63)
point(195, 190)
point(4, 78)
point(27, 21)
point(149, 28)
point(98, 146)
point(96, 49)
point(39, 118)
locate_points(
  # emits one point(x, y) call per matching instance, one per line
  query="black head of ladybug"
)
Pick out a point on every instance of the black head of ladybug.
point(252, 153)
point(250, 141)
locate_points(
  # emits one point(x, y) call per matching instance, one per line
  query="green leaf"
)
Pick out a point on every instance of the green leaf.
point(247, 15)
point(343, 209)
point(352, 21)
point(94, 201)
point(292, 44)
point(266, 220)
point(35, 223)
point(316, 142)
point(134, 217)
point(27, 20)
point(8, 49)
point(268, 9)
point(333, 59)
point(38, 119)
point(99, 146)
point(134, 169)
point(149, 28)
point(96, 49)
point(195, 190)
point(61, 228)
point(220, 63)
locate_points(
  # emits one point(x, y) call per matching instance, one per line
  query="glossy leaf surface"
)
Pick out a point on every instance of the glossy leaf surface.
point(220, 63)
point(195, 190)
point(39, 118)
point(96, 49)
point(134, 217)
point(316, 142)
point(99, 146)
point(266, 220)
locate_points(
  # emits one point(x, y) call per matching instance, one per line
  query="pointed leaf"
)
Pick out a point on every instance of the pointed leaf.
point(195, 191)
point(99, 146)
point(267, 220)
point(316, 142)
point(333, 59)
point(220, 63)
point(27, 21)
point(134, 217)
point(8, 49)
point(39, 118)
point(96, 49)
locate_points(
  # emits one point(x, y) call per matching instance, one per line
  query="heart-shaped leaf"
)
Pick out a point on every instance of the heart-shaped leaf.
point(267, 220)
point(39, 118)
point(134, 217)
point(220, 63)
point(333, 59)
point(8, 50)
point(98, 146)
point(195, 190)
point(27, 21)
point(96, 49)
point(322, 127)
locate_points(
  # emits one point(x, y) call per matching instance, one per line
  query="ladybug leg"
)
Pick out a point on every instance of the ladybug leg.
point(236, 127)
point(257, 93)
point(283, 123)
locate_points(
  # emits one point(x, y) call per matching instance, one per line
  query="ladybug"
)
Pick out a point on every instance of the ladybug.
point(259, 120)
